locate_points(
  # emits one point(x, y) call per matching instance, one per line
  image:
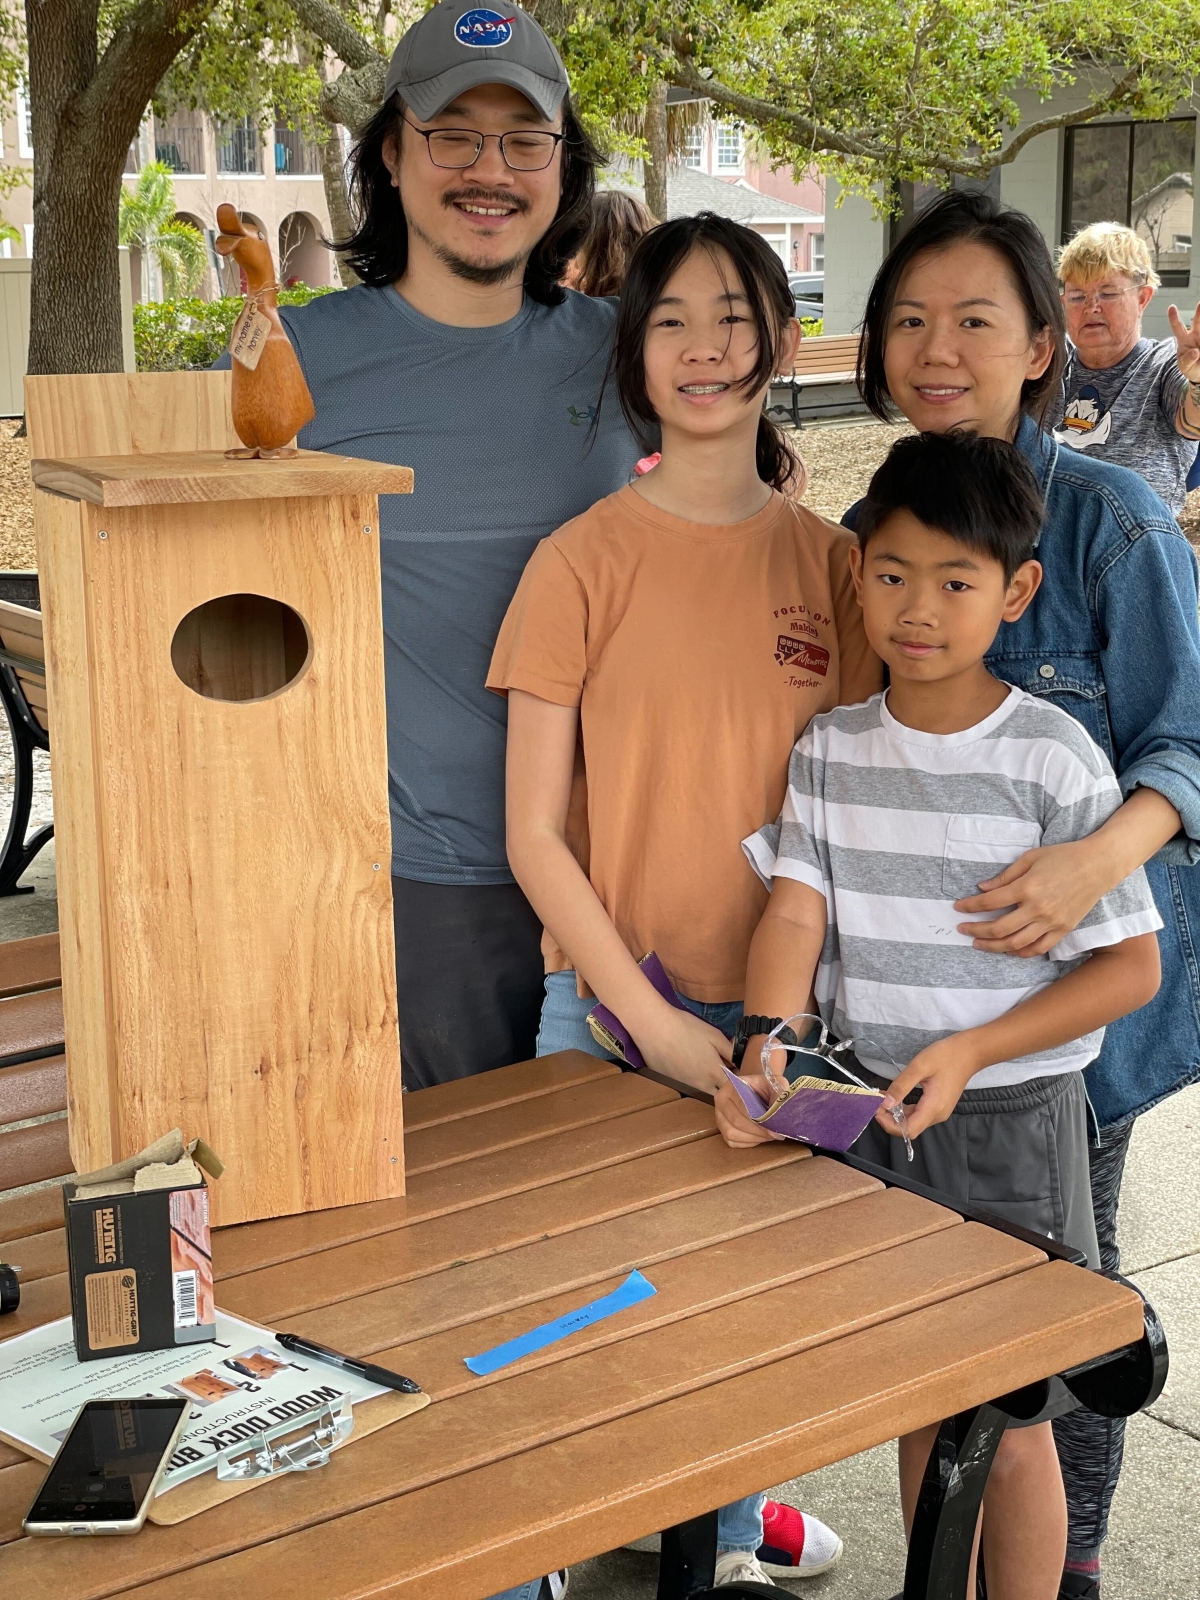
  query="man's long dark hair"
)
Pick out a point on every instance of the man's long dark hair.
point(772, 308)
point(378, 247)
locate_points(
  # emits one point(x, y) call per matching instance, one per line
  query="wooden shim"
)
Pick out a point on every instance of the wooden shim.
point(436, 1194)
point(32, 1089)
point(486, 1529)
point(486, 1091)
point(129, 414)
point(31, 1213)
point(30, 1155)
point(31, 1024)
point(30, 964)
point(464, 1236)
point(547, 1117)
point(575, 1261)
point(186, 477)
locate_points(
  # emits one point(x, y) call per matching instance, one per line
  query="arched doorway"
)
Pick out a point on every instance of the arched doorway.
point(302, 256)
point(204, 288)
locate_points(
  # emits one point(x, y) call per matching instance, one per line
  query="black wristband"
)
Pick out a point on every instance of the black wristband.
point(753, 1024)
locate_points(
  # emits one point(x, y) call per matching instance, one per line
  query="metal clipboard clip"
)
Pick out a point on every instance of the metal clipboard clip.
point(285, 1449)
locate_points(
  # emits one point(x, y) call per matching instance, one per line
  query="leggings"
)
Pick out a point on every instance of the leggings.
point(1090, 1448)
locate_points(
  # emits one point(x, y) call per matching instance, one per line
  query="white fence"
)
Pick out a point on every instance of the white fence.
point(14, 329)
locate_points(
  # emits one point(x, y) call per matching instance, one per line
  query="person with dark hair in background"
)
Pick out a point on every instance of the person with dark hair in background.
point(964, 330)
point(677, 637)
point(462, 357)
point(617, 222)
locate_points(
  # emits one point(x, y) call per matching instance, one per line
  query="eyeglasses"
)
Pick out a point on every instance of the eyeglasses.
point(1105, 297)
point(523, 151)
point(826, 1049)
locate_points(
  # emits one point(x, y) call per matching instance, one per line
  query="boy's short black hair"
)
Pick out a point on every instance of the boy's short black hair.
point(979, 491)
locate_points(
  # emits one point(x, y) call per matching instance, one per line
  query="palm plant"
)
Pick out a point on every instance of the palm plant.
point(148, 223)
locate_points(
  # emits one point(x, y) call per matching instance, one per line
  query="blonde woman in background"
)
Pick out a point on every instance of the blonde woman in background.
point(1125, 398)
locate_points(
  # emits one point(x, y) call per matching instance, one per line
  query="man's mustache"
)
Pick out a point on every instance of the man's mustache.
point(486, 197)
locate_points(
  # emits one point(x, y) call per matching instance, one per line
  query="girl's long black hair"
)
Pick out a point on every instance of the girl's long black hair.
point(378, 247)
point(764, 283)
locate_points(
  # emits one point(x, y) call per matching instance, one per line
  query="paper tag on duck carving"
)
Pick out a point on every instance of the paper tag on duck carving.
point(249, 337)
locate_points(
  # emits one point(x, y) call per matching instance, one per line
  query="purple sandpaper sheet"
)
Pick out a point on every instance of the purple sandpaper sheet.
point(616, 1030)
point(816, 1115)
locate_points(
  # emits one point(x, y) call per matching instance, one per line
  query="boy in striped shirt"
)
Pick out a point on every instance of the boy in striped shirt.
point(899, 807)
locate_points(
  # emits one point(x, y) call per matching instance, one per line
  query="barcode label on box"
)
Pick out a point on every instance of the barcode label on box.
point(186, 1311)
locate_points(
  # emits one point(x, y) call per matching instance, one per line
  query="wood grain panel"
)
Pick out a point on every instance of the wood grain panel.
point(123, 413)
point(547, 1117)
point(487, 1091)
point(573, 1261)
point(197, 476)
point(32, 1089)
point(450, 1189)
point(39, 1255)
point(79, 842)
point(30, 1023)
point(594, 1489)
point(29, 1155)
point(31, 1213)
point(464, 1236)
point(30, 964)
point(277, 1042)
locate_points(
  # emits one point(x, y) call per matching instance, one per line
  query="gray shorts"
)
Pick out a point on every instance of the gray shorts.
point(1019, 1151)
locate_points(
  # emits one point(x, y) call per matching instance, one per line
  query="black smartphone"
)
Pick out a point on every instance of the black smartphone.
point(107, 1468)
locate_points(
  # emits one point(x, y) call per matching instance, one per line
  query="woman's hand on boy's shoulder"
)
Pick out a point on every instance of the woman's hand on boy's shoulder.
point(941, 1072)
point(736, 1127)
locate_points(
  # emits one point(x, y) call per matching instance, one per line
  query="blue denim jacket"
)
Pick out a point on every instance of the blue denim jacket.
point(1112, 637)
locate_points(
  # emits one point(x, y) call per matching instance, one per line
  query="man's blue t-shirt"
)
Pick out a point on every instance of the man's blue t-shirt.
point(496, 423)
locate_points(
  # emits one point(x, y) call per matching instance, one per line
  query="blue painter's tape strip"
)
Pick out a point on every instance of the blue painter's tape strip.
point(634, 1289)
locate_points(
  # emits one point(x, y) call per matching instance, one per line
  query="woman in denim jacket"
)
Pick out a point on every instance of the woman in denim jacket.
point(964, 328)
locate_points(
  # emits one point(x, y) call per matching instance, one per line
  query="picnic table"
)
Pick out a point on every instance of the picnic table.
point(807, 1308)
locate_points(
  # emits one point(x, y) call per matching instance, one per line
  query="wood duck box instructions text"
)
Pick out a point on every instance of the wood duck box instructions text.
point(215, 673)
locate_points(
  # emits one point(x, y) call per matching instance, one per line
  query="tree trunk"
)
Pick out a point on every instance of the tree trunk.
point(341, 224)
point(86, 113)
point(654, 167)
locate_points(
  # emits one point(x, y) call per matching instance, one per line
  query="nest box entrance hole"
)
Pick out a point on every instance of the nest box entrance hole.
point(240, 647)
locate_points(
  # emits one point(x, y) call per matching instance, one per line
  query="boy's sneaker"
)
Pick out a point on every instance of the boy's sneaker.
point(796, 1545)
point(554, 1585)
point(739, 1566)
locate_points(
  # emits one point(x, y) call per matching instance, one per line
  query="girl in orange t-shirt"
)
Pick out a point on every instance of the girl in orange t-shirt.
point(663, 653)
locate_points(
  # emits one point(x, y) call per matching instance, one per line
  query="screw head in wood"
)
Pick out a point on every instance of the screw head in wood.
point(104, 533)
point(366, 527)
point(374, 866)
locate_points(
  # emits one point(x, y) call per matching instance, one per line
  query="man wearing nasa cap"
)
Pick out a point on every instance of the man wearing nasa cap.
point(460, 356)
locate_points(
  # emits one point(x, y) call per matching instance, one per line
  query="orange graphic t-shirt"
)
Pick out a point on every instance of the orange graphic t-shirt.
point(697, 655)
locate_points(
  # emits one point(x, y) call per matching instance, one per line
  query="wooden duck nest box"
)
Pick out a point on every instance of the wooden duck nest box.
point(215, 677)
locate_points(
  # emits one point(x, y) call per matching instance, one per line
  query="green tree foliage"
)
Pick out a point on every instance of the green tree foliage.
point(148, 223)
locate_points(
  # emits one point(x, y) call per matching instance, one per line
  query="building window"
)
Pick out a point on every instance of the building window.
point(179, 144)
point(1138, 173)
point(693, 148)
point(729, 147)
point(24, 124)
point(239, 147)
point(816, 252)
point(295, 156)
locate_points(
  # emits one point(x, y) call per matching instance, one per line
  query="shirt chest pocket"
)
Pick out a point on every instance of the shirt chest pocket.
point(980, 847)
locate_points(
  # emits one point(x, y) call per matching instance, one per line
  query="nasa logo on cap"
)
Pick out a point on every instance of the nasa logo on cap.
point(483, 30)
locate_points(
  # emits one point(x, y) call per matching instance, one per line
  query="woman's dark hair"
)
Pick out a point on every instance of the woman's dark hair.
point(378, 247)
point(979, 491)
point(765, 285)
point(966, 216)
point(616, 224)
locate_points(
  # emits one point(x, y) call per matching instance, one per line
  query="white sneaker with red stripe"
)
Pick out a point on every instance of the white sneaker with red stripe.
point(796, 1545)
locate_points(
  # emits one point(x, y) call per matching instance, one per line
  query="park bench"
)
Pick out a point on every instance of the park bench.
point(33, 1074)
point(23, 691)
point(807, 1308)
point(825, 362)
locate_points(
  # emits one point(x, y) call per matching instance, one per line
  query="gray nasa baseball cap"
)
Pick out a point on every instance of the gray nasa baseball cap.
point(457, 46)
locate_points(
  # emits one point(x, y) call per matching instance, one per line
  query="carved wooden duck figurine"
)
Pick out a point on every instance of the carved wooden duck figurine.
point(271, 402)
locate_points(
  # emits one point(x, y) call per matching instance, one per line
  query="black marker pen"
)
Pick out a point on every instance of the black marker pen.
point(361, 1369)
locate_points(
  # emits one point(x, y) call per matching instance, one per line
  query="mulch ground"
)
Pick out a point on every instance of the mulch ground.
point(840, 459)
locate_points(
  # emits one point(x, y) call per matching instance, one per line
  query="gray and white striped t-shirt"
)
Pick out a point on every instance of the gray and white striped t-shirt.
point(893, 825)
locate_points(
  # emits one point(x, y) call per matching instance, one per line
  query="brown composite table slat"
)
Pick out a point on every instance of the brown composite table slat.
point(528, 1080)
point(29, 964)
point(449, 1144)
point(566, 1258)
point(39, 1255)
point(769, 1349)
point(32, 1089)
point(450, 1189)
point(28, 1155)
point(30, 1022)
point(31, 1213)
